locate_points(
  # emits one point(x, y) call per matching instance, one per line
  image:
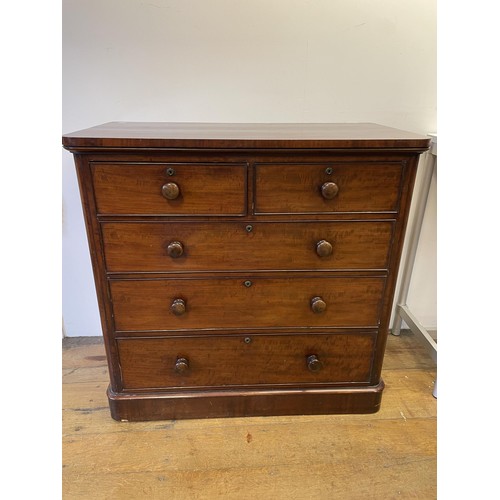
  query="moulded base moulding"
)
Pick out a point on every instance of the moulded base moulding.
point(244, 403)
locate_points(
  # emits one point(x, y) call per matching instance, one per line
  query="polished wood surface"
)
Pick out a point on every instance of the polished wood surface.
point(262, 303)
point(230, 246)
point(140, 189)
point(383, 455)
point(244, 135)
point(237, 360)
point(298, 188)
point(204, 235)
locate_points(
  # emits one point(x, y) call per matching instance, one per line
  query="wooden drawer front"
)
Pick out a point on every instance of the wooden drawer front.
point(362, 187)
point(127, 188)
point(238, 360)
point(247, 302)
point(229, 246)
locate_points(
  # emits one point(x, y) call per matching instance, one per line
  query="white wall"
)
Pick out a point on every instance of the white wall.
point(242, 61)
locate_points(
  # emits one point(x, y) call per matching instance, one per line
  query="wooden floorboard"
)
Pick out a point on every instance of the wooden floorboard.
point(389, 454)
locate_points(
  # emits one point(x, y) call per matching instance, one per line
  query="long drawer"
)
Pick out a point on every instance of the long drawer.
point(229, 246)
point(170, 189)
point(336, 188)
point(245, 360)
point(246, 302)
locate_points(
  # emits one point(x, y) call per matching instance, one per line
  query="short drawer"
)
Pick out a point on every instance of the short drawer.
point(336, 188)
point(170, 189)
point(230, 246)
point(216, 361)
point(246, 302)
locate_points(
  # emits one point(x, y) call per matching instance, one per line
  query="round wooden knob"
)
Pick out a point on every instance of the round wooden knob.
point(178, 307)
point(313, 363)
point(175, 249)
point(324, 248)
point(318, 305)
point(329, 190)
point(170, 190)
point(181, 365)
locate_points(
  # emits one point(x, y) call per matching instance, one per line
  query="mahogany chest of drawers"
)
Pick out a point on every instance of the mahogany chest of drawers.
point(244, 270)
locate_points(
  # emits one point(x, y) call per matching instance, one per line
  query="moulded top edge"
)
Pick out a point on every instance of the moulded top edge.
point(159, 135)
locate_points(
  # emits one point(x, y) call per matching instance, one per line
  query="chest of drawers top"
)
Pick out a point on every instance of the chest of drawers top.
point(159, 135)
point(244, 269)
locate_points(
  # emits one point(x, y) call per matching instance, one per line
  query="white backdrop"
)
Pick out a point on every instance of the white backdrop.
point(243, 61)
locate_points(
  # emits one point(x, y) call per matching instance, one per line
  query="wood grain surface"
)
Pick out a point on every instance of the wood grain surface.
point(243, 135)
point(126, 188)
point(296, 188)
point(289, 230)
point(230, 246)
point(246, 302)
point(232, 361)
